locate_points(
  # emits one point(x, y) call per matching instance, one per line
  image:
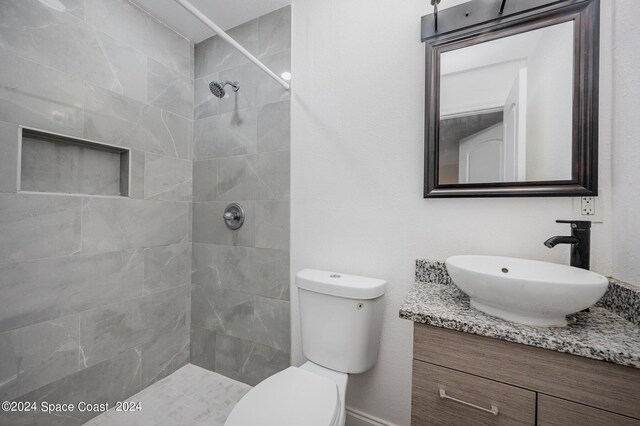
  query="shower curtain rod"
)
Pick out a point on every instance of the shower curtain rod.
point(220, 32)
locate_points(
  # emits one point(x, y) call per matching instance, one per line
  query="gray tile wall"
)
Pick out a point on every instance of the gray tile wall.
point(61, 167)
point(94, 291)
point(240, 281)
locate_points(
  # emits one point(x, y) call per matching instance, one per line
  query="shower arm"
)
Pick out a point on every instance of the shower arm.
point(223, 35)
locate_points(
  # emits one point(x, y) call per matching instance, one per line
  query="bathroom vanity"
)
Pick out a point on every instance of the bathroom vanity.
point(526, 385)
point(469, 368)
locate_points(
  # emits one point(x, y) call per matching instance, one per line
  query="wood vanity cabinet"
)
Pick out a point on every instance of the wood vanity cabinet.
point(459, 378)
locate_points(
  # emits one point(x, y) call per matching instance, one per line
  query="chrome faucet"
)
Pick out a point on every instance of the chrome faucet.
point(580, 241)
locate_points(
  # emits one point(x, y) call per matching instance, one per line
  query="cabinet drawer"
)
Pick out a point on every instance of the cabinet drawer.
point(515, 406)
point(594, 383)
point(558, 412)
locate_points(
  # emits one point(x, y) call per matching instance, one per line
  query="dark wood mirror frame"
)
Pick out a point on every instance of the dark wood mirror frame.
point(479, 21)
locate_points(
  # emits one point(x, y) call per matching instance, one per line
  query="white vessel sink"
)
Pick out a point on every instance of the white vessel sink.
point(525, 291)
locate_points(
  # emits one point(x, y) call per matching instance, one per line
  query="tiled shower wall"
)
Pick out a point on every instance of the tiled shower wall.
point(94, 291)
point(240, 281)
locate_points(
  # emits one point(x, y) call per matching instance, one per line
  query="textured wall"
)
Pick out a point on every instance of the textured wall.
point(549, 105)
point(94, 300)
point(240, 281)
point(626, 136)
point(357, 169)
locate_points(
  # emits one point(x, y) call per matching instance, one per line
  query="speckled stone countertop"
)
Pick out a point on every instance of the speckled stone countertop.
point(599, 334)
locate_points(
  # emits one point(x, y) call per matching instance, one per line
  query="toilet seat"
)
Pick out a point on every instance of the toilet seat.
point(292, 397)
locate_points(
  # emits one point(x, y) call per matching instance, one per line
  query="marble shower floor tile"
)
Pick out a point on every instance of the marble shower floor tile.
point(189, 396)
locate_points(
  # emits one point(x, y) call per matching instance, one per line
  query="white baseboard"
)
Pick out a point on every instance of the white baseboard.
point(360, 418)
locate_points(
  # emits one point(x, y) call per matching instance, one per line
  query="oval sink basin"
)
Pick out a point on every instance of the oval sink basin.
point(525, 291)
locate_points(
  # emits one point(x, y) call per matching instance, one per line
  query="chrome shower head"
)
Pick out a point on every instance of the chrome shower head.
point(218, 88)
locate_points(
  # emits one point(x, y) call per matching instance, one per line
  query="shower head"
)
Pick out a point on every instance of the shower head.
point(217, 88)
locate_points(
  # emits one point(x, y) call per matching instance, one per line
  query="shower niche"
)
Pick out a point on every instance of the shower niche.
point(55, 163)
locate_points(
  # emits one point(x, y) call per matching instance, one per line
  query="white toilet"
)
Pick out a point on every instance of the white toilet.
point(341, 319)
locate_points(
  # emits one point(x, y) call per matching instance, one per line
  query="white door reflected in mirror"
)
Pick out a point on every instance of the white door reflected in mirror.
point(506, 109)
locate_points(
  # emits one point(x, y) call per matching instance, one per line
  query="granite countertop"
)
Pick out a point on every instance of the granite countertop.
point(599, 334)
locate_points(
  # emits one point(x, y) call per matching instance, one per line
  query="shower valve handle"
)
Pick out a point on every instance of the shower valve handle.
point(230, 215)
point(233, 216)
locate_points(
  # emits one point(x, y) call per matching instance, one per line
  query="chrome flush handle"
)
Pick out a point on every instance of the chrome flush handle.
point(493, 410)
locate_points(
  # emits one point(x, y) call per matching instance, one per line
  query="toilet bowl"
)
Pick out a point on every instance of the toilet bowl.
point(309, 395)
point(341, 321)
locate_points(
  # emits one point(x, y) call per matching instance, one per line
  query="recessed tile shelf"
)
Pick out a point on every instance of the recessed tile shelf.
point(61, 164)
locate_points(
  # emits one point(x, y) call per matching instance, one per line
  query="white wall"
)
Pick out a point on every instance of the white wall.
point(549, 105)
point(495, 63)
point(357, 169)
point(626, 142)
point(461, 93)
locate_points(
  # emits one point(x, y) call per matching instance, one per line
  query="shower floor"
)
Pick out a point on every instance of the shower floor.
point(189, 396)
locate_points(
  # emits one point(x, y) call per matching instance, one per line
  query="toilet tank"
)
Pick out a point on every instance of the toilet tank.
point(340, 319)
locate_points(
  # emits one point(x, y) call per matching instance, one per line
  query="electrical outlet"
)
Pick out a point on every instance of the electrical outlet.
point(587, 206)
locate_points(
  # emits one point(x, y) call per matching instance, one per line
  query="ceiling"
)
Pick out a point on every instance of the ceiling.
point(225, 13)
point(507, 49)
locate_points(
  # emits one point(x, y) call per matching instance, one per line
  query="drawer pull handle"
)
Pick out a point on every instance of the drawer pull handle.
point(493, 410)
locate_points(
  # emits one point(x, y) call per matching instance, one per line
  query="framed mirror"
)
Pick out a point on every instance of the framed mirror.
point(512, 102)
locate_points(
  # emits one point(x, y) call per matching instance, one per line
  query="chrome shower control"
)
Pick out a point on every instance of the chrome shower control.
point(233, 216)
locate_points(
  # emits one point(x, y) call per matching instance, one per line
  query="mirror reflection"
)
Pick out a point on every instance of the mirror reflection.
point(516, 124)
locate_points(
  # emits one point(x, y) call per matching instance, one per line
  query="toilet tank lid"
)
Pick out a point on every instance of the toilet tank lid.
point(341, 285)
